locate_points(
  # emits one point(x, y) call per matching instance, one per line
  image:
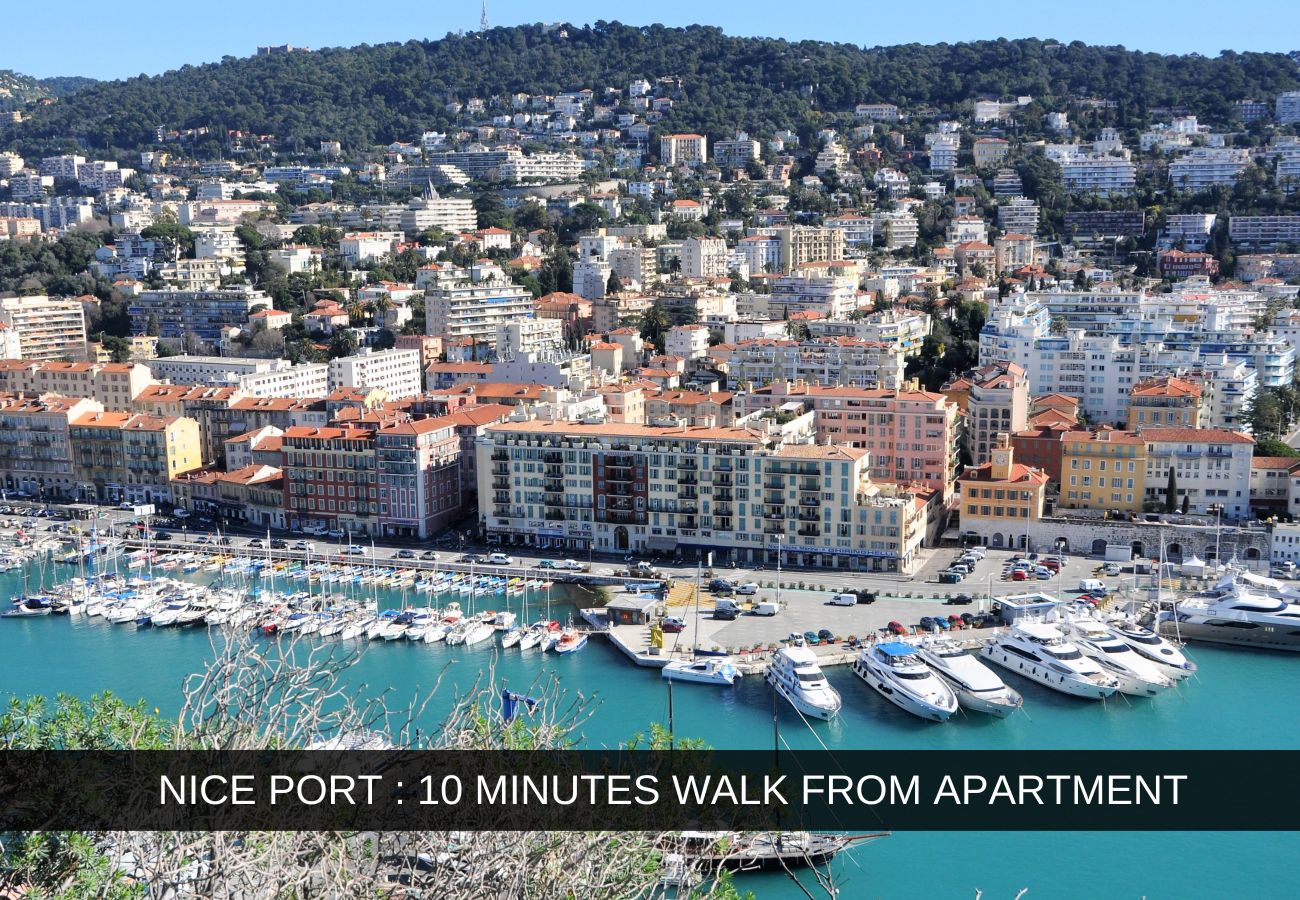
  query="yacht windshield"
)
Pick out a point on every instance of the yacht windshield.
point(912, 676)
point(1064, 654)
point(808, 677)
point(1144, 638)
point(1115, 648)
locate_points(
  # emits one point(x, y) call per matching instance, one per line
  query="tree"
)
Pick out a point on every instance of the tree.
point(556, 274)
point(798, 330)
point(1267, 446)
point(343, 343)
point(119, 348)
point(1171, 492)
point(614, 284)
point(654, 325)
point(1187, 503)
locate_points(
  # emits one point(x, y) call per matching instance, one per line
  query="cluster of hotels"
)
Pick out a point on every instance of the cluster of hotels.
point(774, 414)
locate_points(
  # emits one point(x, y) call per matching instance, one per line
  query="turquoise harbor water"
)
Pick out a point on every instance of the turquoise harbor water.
point(1241, 700)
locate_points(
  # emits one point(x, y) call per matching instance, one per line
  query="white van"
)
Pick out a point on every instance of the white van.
point(844, 600)
point(499, 559)
point(1091, 584)
point(767, 608)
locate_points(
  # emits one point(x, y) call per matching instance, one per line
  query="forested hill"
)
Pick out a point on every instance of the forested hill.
point(17, 90)
point(375, 94)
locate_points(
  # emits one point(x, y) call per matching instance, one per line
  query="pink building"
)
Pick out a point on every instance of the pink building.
point(911, 433)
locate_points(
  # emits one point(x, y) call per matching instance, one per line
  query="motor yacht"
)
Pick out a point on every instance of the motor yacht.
point(1166, 654)
point(1242, 609)
point(795, 675)
point(1136, 674)
point(978, 688)
point(1040, 652)
point(898, 674)
point(702, 670)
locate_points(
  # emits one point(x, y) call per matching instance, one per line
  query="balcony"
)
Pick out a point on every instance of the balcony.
point(774, 512)
point(501, 484)
point(553, 457)
point(500, 469)
point(809, 501)
point(501, 497)
point(775, 484)
point(553, 486)
point(554, 471)
point(773, 529)
point(688, 494)
point(722, 496)
point(809, 517)
point(810, 486)
point(722, 479)
point(500, 456)
point(687, 478)
point(809, 532)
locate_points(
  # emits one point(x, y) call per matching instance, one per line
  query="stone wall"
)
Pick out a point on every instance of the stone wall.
point(1090, 538)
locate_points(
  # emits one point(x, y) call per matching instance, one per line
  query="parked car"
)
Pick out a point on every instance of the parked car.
point(406, 554)
point(896, 628)
point(950, 577)
point(843, 600)
point(1113, 568)
point(547, 564)
point(471, 558)
point(223, 541)
point(1019, 575)
point(571, 565)
point(964, 568)
point(1043, 573)
point(748, 589)
point(725, 609)
point(429, 554)
point(160, 536)
point(256, 542)
point(354, 550)
point(673, 625)
point(961, 599)
point(305, 546)
point(1053, 564)
point(336, 533)
point(499, 559)
point(279, 544)
point(722, 586)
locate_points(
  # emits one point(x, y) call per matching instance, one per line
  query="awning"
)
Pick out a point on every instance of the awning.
point(661, 543)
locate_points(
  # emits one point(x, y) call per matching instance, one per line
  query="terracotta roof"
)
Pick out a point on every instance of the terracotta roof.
point(1274, 462)
point(1194, 436)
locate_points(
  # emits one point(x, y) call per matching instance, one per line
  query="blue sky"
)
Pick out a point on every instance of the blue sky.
point(80, 37)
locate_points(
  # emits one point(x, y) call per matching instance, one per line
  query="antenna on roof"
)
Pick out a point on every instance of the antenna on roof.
point(483, 20)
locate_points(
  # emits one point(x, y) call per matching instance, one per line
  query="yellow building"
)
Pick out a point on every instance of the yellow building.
point(1002, 498)
point(119, 456)
point(1103, 470)
point(1166, 403)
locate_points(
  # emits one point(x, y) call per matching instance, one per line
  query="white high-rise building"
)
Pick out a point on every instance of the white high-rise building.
point(705, 257)
point(398, 373)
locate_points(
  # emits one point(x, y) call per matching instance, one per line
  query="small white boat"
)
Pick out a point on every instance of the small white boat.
point(795, 675)
point(511, 637)
point(898, 674)
point(571, 640)
point(702, 670)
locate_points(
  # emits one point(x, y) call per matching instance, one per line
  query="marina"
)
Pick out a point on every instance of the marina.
point(1233, 688)
point(933, 668)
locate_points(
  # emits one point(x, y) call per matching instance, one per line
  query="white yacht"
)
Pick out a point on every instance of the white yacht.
point(978, 688)
point(795, 675)
point(1039, 652)
point(1136, 674)
point(1166, 654)
point(898, 673)
point(1242, 609)
point(702, 670)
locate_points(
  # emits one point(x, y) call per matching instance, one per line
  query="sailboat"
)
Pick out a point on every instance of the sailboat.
point(701, 669)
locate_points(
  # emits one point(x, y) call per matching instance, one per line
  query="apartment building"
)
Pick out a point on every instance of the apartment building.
point(133, 457)
point(998, 403)
point(734, 493)
point(35, 444)
point(48, 328)
point(1001, 499)
point(1013, 251)
point(1167, 402)
point(1207, 167)
point(1018, 215)
point(695, 408)
point(828, 361)
point(113, 385)
point(1287, 108)
point(683, 149)
point(829, 290)
point(418, 464)
point(911, 434)
point(1103, 470)
point(205, 313)
point(475, 305)
point(1264, 231)
point(705, 257)
point(990, 151)
point(1211, 467)
point(542, 166)
point(762, 253)
point(429, 210)
point(331, 479)
point(859, 231)
point(1105, 176)
point(802, 244)
point(398, 373)
point(899, 228)
point(735, 154)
